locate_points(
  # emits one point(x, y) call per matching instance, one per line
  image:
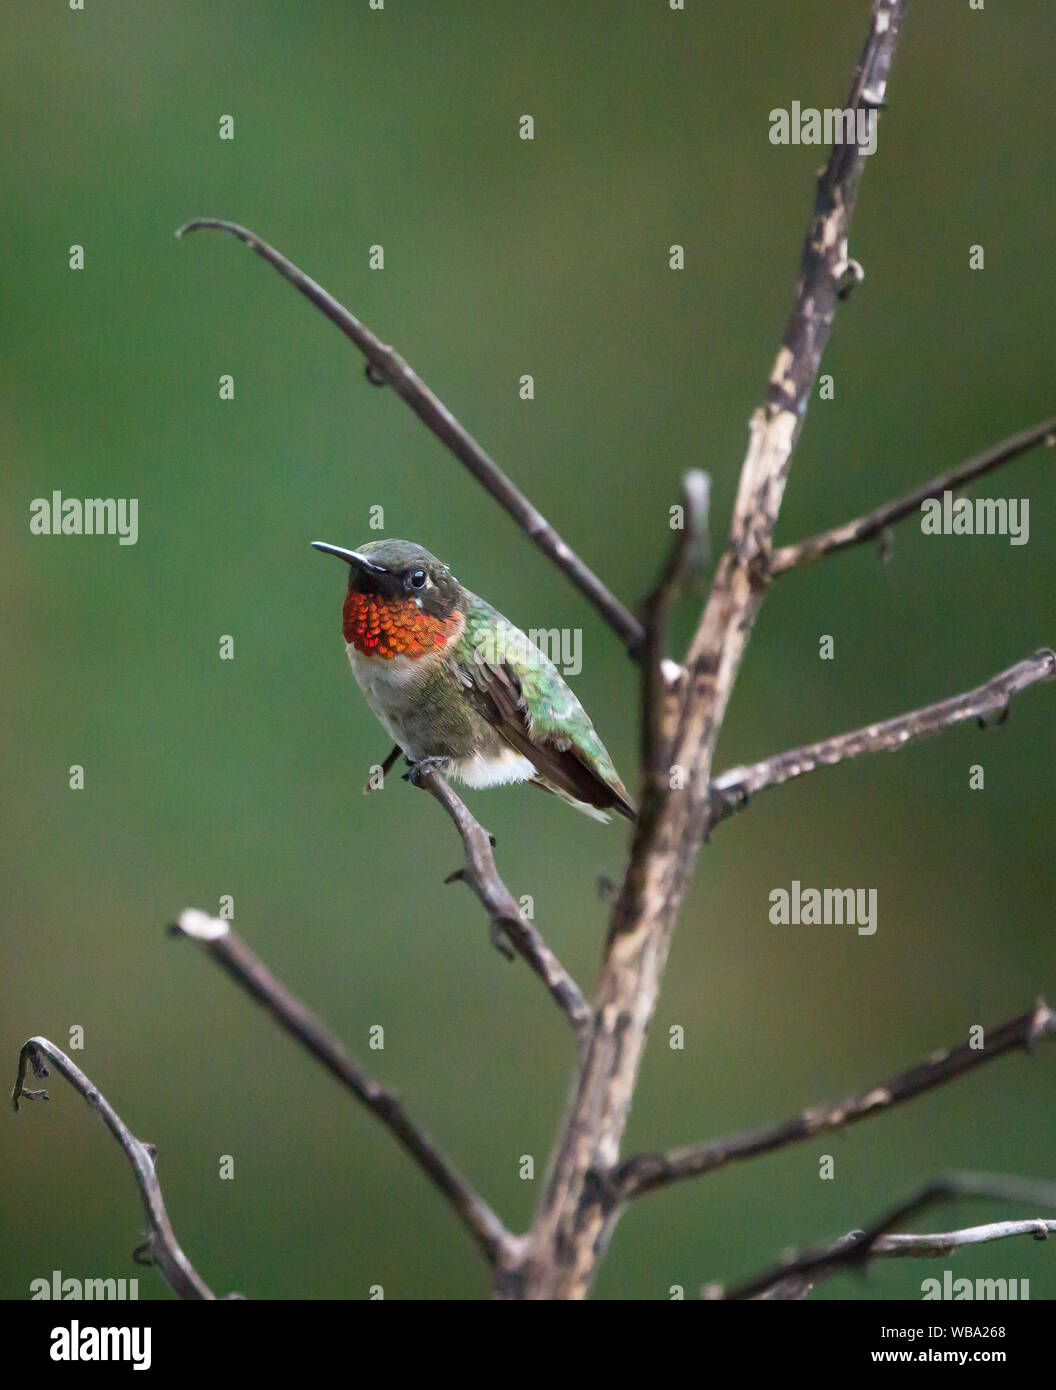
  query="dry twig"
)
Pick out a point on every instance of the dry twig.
point(794, 1278)
point(161, 1247)
point(646, 1172)
point(732, 790)
point(875, 523)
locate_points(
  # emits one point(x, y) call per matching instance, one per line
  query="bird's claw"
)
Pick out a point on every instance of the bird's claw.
point(418, 771)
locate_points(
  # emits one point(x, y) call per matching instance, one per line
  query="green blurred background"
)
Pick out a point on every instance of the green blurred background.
point(208, 777)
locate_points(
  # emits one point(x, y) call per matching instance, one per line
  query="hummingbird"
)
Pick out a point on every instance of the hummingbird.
point(461, 691)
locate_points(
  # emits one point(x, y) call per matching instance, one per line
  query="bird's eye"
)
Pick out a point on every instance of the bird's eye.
point(418, 578)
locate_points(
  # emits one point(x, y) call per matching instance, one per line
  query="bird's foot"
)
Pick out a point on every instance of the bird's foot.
point(421, 769)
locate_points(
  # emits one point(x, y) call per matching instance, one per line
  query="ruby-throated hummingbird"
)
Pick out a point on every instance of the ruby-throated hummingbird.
point(460, 689)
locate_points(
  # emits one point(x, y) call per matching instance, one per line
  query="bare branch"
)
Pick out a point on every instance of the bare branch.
point(876, 522)
point(161, 1247)
point(732, 789)
point(575, 1216)
point(662, 679)
point(229, 950)
point(385, 367)
point(508, 922)
point(646, 1172)
point(945, 1242)
point(794, 1278)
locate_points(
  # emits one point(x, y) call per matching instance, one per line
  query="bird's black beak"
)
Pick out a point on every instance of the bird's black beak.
point(352, 557)
point(379, 576)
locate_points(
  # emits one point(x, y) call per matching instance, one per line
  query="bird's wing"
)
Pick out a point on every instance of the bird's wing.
point(495, 688)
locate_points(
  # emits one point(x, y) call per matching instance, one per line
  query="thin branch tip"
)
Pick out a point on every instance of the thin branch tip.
point(199, 925)
point(221, 224)
point(1043, 1024)
point(168, 1257)
point(794, 1277)
point(194, 225)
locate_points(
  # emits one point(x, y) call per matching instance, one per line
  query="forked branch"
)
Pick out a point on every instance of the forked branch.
point(683, 710)
point(795, 1277)
point(575, 1215)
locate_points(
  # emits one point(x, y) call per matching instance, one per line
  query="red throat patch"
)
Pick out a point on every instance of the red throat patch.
point(386, 627)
